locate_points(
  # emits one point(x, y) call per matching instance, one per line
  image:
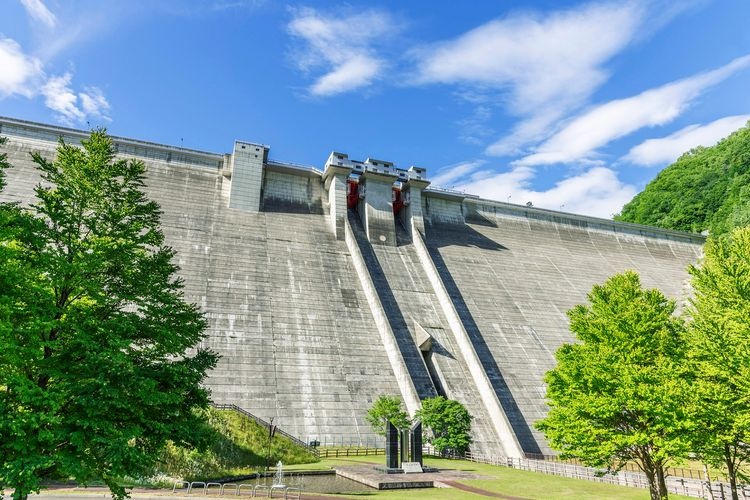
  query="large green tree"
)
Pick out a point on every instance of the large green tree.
point(719, 337)
point(707, 188)
point(617, 395)
point(98, 366)
point(386, 409)
point(447, 422)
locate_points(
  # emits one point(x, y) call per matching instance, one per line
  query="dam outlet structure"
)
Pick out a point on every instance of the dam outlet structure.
point(327, 287)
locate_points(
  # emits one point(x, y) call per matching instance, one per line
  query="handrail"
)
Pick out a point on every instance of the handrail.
point(298, 166)
point(267, 425)
point(440, 189)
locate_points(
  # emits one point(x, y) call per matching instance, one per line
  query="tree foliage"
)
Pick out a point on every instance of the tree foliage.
point(448, 424)
point(387, 409)
point(707, 188)
point(95, 332)
point(719, 337)
point(3, 163)
point(617, 395)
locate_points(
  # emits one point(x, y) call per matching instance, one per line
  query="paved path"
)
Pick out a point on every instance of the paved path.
point(479, 491)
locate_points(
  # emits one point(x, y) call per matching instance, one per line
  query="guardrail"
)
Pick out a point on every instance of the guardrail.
point(456, 192)
point(346, 441)
point(267, 425)
point(297, 166)
point(236, 489)
point(349, 452)
point(685, 472)
point(696, 488)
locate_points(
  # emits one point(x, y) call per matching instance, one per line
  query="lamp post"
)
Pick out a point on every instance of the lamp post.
point(271, 432)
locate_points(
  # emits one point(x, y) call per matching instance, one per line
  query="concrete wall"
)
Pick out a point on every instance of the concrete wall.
point(512, 274)
point(284, 192)
point(315, 317)
point(285, 307)
point(439, 210)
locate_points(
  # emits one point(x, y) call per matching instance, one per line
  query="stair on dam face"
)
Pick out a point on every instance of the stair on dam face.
point(413, 312)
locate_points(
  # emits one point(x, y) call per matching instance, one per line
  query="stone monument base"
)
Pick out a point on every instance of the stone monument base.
point(398, 470)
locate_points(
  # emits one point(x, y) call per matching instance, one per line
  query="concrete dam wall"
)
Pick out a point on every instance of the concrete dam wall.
point(325, 288)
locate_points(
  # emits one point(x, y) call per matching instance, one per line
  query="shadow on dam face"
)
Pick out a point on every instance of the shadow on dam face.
point(445, 234)
point(455, 234)
point(411, 354)
point(279, 205)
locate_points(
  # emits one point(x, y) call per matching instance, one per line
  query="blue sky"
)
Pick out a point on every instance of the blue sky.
point(569, 105)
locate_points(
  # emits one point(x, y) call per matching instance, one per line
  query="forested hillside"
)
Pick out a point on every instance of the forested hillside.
point(707, 188)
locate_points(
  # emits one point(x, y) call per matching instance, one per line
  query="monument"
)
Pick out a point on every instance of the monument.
point(403, 450)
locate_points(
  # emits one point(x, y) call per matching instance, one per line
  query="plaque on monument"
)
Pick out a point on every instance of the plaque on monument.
point(411, 467)
point(415, 442)
point(391, 446)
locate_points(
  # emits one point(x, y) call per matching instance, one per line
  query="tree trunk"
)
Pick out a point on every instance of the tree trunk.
point(662, 482)
point(708, 482)
point(653, 487)
point(731, 472)
point(20, 494)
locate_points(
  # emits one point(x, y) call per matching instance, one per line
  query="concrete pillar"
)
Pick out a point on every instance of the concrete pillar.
point(405, 446)
point(247, 175)
point(335, 182)
point(376, 210)
point(414, 218)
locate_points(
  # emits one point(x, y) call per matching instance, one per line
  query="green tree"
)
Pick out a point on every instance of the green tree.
point(387, 409)
point(448, 424)
point(618, 395)
point(3, 163)
point(98, 366)
point(719, 338)
point(705, 189)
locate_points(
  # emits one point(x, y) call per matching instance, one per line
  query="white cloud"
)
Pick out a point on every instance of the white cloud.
point(94, 103)
point(474, 129)
point(547, 64)
point(447, 176)
point(529, 130)
point(60, 97)
point(19, 72)
point(355, 72)
point(39, 12)
point(599, 126)
point(597, 191)
point(667, 149)
point(342, 46)
point(24, 75)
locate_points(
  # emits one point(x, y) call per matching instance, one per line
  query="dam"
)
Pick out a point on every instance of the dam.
point(325, 287)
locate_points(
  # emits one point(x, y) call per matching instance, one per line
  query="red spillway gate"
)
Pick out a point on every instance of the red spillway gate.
point(352, 193)
point(398, 200)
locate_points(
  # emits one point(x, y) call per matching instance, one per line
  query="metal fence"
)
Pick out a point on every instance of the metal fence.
point(347, 441)
point(678, 485)
point(267, 425)
point(349, 452)
point(685, 472)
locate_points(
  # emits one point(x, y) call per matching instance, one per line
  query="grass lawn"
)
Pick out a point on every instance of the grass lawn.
point(505, 481)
